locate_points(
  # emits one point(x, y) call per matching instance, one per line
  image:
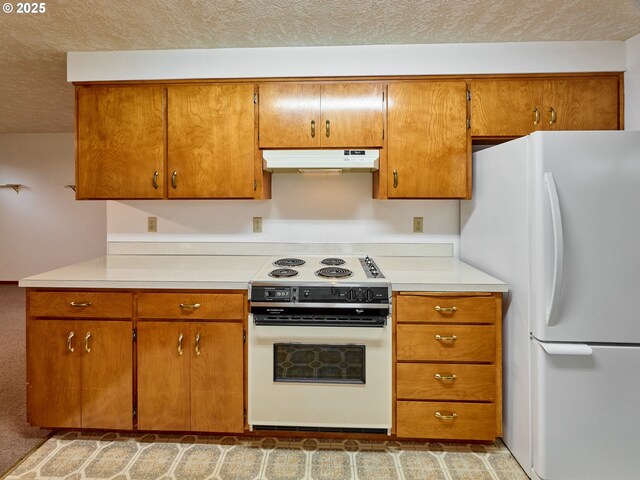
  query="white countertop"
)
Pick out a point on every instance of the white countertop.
point(234, 272)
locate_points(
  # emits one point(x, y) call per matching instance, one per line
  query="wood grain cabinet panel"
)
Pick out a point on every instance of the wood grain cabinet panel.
point(79, 374)
point(217, 377)
point(428, 145)
point(333, 115)
point(81, 304)
point(163, 376)
point(188, 305)
point(448, 381)
point(511, 107)
point(506, 108)
point(472, 421)
point(119, 142)
point(210, 141)
point(445, 309)
point(582, 104)
point(476, 343)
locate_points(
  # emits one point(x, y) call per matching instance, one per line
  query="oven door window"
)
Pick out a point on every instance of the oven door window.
point(313, 363)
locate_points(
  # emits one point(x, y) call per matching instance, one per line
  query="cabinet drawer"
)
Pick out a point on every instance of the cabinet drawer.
point(447, 309)
point(419, 381)
point(200, 306)
point(473, 421)
point(81, 304)
point(475, 343)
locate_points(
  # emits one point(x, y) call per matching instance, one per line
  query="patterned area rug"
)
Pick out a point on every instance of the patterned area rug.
point(75, 456)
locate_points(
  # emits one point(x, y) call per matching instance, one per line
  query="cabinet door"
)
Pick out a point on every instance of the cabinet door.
point(582, 104)
point(217, 377)
point(505, 108)
point(289, 116)
point(120, 142)
point(163, 376)
point(107, 366)
point(351, 115)
point(211, 143)
point(54, 352)
point(428, 147)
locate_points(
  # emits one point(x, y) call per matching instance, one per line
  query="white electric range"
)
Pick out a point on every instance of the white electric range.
point(320, 345)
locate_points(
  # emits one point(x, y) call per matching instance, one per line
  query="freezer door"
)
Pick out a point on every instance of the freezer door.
point(585, 228)
point(585, 411)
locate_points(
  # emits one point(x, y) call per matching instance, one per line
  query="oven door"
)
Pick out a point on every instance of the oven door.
point(324, 377)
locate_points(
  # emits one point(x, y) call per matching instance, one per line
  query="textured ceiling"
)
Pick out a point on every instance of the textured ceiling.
point(34, 95)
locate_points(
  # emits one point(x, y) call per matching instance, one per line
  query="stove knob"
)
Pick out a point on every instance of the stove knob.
point(369, 295)
point(267, 294)
point(350, 296)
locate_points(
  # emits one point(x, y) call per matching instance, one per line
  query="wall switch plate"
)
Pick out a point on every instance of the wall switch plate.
point(418, 224)
point(257, 224)
point(152, 224)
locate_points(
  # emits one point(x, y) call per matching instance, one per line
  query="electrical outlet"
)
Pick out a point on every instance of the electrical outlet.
point(257, 224)
point(418, 224)
point(152, 224)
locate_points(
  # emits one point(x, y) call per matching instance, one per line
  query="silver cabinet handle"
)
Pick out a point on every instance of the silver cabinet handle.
point(155, 179)
point(446, 338)
point(451, 416)
point(174, 184)
point(395, 179)
point(87, 346)
point(80, 305)
point(180, 338)
point(451, 377)
point(197, 344)
point(313, 129)
point(190, 306)
point(440, 309)
point(70, 347)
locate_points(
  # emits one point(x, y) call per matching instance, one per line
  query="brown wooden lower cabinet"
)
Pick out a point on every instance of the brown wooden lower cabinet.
point(79, 374)
point(447, 420)
point(190, 376)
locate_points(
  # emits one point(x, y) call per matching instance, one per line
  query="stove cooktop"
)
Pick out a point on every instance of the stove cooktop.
point(320, 269)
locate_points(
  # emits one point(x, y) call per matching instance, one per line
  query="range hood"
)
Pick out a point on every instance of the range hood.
point(309, 161)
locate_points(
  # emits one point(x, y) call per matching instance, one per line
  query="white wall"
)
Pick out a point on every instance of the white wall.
point(43, 227)
point(632, 85)
point(304, 208)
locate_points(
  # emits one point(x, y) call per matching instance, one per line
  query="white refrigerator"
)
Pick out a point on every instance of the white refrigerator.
point(556, 215)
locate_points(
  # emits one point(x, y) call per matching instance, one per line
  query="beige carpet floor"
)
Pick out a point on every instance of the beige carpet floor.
point(77, 456)
point(17, 438)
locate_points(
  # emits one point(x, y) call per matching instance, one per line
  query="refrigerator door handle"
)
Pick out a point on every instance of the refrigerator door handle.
point(581, 349)
point(558, 241)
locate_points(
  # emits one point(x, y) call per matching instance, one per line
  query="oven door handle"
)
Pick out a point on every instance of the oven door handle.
point(331, 306)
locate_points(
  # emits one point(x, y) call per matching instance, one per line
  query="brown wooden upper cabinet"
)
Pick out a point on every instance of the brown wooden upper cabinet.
point(428, 144)
point(210, 144)
point(336, 115)
point(120, 142)
point(518, 106)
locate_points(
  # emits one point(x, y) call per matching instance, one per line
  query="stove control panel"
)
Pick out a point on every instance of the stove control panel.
point(301, 294)
point(371, 270)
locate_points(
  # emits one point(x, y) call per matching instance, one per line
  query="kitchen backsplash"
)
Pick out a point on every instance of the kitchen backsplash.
point(304, 208)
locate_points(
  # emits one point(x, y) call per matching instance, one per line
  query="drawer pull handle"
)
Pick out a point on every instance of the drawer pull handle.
point(313, 129)
point(440, 309)
point(87, 346)
point(327, 126)
point(180, 338)
point(553, 116)
point(80, 305)
point(453, 416)
point(69, 340)
point(451, 377)
point(197, 344)
point(190, 306)
point(536, 116)
point(446, 338)
point(155, 179)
